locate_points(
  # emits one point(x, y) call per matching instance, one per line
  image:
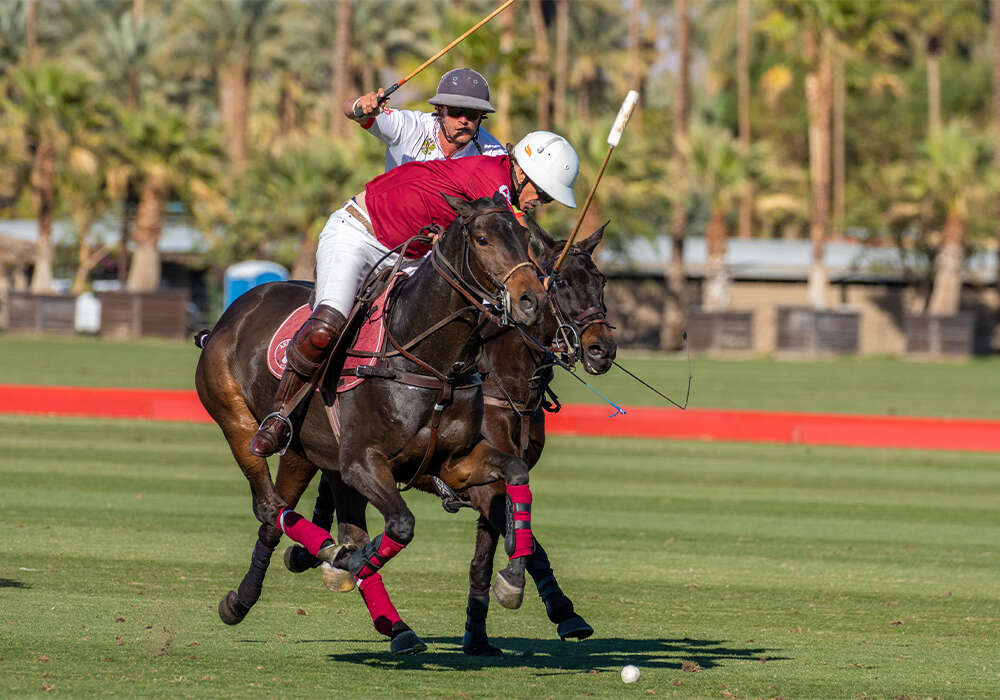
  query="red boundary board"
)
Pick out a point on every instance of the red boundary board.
point(573, 419)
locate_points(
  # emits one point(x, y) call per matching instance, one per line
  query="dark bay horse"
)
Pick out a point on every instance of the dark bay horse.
point(517, 375)
point(422, 414)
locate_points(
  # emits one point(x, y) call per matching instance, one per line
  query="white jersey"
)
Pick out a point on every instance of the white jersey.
point(410, 135)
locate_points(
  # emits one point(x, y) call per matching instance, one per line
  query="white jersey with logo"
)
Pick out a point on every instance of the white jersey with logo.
point(410, 135)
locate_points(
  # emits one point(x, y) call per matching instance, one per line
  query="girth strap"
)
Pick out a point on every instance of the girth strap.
point(444, 399)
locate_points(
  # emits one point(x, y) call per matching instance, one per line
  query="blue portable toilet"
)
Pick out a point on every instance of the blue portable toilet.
point(246, 275)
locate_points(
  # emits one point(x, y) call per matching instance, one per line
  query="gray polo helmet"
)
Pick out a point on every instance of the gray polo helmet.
point(463, 87)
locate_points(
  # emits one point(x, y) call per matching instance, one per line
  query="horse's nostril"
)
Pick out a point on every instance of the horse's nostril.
point(527, 303)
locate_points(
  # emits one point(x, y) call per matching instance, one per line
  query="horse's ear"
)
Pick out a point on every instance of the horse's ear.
point(499, 199)
point(461, 205)
point(549, 244)
point(588, 244)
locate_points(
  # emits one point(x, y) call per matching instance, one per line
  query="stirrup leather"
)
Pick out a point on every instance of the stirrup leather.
point(287, 423)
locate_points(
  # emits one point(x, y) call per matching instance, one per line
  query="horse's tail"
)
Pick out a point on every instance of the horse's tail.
point(201, 338)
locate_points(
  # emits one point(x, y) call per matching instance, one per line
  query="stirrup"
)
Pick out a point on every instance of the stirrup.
point(288, 424)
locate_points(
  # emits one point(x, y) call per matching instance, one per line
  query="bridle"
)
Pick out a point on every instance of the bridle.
point(569, 332)
point(491, 303)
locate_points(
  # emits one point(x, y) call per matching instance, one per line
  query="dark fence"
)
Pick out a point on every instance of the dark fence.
point(40, 313)
point(807, 330)
point(134, 314)
point(720, 330)
point(940, 335)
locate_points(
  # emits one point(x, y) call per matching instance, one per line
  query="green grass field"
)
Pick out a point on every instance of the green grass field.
point(765, 571)
point(884, 386)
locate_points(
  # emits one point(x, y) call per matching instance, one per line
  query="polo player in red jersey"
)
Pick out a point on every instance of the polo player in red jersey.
point(394, 206)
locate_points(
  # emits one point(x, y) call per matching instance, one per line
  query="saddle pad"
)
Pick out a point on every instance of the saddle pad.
point(370, 338)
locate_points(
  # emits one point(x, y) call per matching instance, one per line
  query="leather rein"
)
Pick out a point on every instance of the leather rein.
point(481, 301)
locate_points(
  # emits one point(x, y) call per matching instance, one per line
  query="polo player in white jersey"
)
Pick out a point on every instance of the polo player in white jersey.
point(453, 130)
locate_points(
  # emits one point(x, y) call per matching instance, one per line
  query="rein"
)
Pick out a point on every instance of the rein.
point(480, 302)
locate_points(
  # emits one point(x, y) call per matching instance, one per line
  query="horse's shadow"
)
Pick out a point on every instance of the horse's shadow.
point(603, 654)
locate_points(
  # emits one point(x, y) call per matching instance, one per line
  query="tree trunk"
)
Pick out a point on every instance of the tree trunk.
point(818, 101)
point(31, 29)
point(933, 85)
point(674, 310)
point(234, 108)
point(341, 68)
point(995, 42)
point(562, 64)
point(288, 104)
point(947, 292)
point(541, 57)
point(504, 98)
point(718, 286)
point(743, 89)
point(43, 187)
point(635, 65)
point(839, 150)
point(304, 267)
point(144, 272)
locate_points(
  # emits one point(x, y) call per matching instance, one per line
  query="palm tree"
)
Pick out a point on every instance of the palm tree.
point(957, 177)
point(285, 199)
point(743, 22)
point(46, 104)
point(674, 314)
point(540, 61)
point(83, 186)
point(230, 35)
point(720, 169)
point(164, 153)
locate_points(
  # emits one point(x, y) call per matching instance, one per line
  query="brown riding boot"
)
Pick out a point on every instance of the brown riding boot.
point(306, 355)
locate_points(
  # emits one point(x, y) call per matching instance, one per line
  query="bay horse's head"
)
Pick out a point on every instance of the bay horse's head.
point(577, 293)
point(490, 249)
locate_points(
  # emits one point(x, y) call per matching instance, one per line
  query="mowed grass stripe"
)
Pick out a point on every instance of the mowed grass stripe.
point(834, 572)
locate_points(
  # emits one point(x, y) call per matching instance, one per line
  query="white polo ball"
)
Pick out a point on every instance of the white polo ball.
point(630, 674)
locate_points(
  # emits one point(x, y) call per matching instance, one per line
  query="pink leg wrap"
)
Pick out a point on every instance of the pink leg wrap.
point(387, 549)
point(383, 612)
point(524, 541)
point(312, 537)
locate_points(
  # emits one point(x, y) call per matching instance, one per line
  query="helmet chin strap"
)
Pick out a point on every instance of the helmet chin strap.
point(518, 186)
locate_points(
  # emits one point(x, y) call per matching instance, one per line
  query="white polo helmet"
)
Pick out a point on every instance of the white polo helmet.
point(551, 163)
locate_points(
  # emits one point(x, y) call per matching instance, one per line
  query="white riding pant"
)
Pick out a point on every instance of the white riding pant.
point(346, 253)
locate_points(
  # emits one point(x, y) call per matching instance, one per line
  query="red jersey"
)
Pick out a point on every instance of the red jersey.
point(408, 197)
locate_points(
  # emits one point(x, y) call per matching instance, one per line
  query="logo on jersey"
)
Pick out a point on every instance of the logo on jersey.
point(506, 194)
point(428, 146)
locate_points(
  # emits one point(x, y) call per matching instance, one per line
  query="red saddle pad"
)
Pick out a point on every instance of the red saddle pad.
point(370, 338)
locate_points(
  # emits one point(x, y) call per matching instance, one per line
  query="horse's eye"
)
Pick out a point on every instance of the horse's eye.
point(560, 282)
point(482, 240)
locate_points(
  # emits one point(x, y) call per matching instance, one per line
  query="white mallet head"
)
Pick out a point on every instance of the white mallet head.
point(622, 119)
point(630, 674)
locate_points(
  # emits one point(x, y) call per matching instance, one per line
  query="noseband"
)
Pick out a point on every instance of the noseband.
point(569, 333)
point(473, 290)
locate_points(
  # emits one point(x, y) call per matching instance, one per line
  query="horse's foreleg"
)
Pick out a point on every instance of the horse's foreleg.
point(558, 606)
point(514, 520)
point(297, 558)
point(476, 642)
point(377, 485)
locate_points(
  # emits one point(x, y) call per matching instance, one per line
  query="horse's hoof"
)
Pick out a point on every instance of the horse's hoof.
point(298, 559)
point(231, 610)
point(507, 594)
point(574, 628)
point(479, 647)
point(338, 580)
point(406, 642)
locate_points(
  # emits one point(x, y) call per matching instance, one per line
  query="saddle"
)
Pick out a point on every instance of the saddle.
point(370, 338)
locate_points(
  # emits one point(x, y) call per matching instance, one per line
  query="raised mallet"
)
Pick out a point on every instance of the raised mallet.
point(395, 86)
point(613, 138)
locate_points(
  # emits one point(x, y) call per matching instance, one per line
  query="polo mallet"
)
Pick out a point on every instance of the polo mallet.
point(613, 138)
point(395, 86)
